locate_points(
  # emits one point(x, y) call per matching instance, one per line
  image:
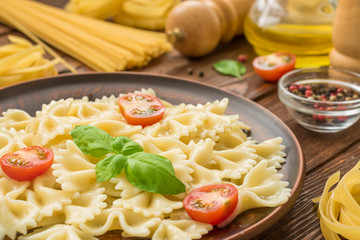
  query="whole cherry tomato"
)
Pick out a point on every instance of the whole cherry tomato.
point(211, 203)
point(141, 109)
point(27, 163)
point(272, 67)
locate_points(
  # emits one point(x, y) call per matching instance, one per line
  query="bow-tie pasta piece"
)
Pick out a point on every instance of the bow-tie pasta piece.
point(123, 187)
point(116, 128)
point(17, 213)
point(132, 224)
point(12, 140)
point(49, 197)
point(73, 170)
point(52, 122)
point(180, 162)
point(232, 162)
point(15, 118)
point(87, 110)
point(272, 151)
point(262, 187)
point(177, 126)
point(58, 232)
point(181, 229)
point(157, 145)
point(86, 206)
point(149, 204)
point(232, 137)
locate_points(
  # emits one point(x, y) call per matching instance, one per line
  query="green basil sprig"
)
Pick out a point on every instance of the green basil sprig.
point(230, 67)
point(146, 171)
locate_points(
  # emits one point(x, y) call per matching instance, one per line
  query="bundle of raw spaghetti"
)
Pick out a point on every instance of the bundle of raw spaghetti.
point(101, 45)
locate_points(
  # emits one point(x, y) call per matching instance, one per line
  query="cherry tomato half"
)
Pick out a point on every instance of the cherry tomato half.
point(211, 203)
point(27, 163)
point(141, 109)
point(272, 67)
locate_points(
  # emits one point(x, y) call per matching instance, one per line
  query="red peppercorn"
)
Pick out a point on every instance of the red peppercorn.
point(321, 118)
point(341, 108)
point(339, 90)
point(342, 118)
point(292, 88)
point(308, 93)
point(242, 58)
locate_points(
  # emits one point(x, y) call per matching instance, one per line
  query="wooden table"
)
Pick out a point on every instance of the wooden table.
point(324, 153)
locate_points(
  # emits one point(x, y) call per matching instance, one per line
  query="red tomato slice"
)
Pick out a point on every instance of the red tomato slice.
point(211, 203)
point(272, 67)
point(27, 163)
point(141, 109)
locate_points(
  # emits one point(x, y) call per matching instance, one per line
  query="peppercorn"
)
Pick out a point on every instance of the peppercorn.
point(308, 93)
point(201, 74)
point(333, 98)
point(322, 92)
point(190, 71)
point(327, 94)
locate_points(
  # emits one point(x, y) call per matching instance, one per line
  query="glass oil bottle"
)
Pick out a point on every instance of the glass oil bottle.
point(302, 27)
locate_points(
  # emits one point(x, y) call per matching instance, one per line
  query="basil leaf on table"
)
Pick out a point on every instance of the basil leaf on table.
point(92, 140)
point(230, 67)
point(150, 172)
point(146, 171)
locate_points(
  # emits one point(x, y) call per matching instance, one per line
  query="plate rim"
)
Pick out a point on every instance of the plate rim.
point(265, 223)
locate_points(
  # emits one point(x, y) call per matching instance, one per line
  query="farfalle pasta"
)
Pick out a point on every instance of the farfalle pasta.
point(204, 145)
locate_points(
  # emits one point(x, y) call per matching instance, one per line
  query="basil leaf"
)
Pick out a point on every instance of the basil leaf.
point(92, 140)
point(126, 146)
point(230, 67)
point(110, 167)
point(152, 173)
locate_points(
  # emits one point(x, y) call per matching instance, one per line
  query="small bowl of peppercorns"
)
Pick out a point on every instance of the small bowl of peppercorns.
point(322, 99)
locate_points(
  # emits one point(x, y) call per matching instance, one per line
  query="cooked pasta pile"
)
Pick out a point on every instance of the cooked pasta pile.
point(101, 45)
point(339, 209)
point(204, 145)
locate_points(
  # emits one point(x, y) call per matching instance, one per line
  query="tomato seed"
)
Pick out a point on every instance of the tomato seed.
point(17, 161)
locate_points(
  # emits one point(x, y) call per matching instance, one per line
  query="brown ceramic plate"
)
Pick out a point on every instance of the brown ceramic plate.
point(31, 95)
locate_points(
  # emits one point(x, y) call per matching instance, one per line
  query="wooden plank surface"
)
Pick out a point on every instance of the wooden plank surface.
point(324, 153)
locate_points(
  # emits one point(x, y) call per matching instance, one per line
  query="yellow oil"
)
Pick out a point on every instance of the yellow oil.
point(310, 43)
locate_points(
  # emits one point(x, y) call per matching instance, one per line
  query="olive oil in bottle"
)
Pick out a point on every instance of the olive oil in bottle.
point(303, 28)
